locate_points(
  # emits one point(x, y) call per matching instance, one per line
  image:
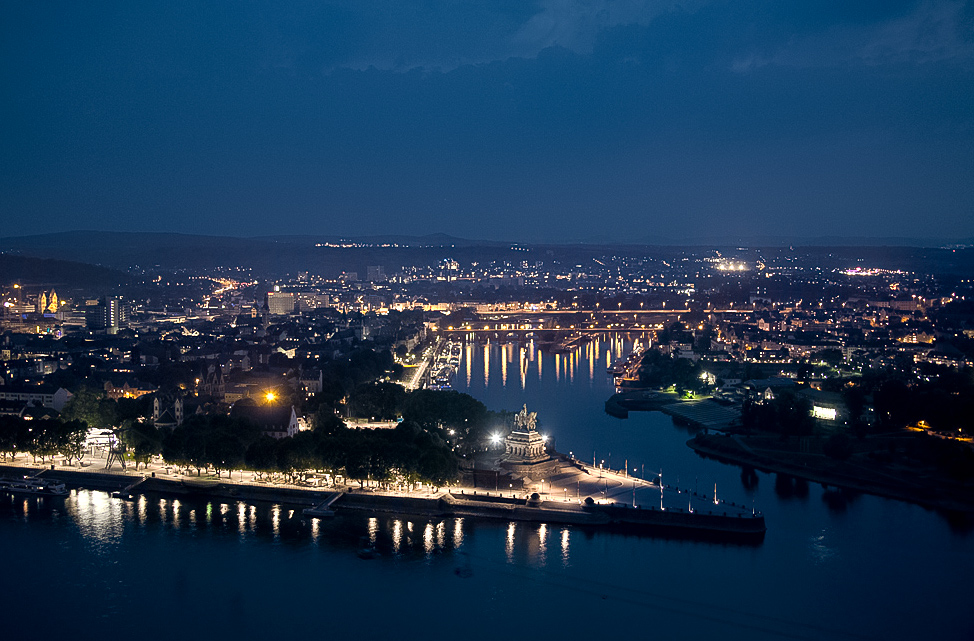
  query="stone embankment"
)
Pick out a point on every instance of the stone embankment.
point(324, 503)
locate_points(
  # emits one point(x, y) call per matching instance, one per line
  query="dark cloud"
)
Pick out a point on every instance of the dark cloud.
point(489, 119)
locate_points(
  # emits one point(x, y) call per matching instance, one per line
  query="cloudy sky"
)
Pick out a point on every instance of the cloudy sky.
point(562, 120)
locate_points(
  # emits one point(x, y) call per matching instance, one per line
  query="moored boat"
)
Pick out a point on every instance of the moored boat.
point(34, 486)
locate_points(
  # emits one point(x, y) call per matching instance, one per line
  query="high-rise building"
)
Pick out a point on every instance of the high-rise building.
point(109, 313)
point(280, 303)
point(95, 314)
point(376, 273)
point(116, 315)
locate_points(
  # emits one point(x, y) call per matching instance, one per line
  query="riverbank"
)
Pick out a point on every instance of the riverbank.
point(733, 524)
point(858, 473)
point(703, 413)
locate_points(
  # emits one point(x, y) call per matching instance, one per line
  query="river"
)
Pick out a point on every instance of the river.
point(832, 566)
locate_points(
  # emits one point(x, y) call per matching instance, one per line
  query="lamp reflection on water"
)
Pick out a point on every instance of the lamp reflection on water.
point(276, 521)
point(487, 364)
point(396, 536)
point(509, 545)
point(100, 519)
point(543, 543)
point(428, 539)
point(564, 547)
point(142, 512)
point(469, 363)
point(457, 533)
point(373, 530)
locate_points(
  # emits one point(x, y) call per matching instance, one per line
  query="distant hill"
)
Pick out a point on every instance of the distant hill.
point(48, 272)
point(276, 256)
point(271, 255)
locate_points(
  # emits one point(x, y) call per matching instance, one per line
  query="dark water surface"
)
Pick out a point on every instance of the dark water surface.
point(832, 566)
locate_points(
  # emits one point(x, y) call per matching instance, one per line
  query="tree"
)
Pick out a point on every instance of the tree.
point(855, 402)
point(261, 456)
point(378, 400)
point(186, 446)
point(90, 406)
point(296, 455)
point(145, 439)
point(325, 421)
point(439, 411)
point(71, 440)
point(226, 453)
point(14, 436)
point(437, 467)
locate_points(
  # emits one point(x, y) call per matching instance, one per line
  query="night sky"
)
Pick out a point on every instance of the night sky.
point(558, 120)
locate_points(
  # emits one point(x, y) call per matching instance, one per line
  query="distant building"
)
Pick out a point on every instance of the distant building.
point(276, 421)
point(46, 395)
point(376, 273)
point(128, 389)
point(116, 315)
point(171, 414)
point(280, 303)
point(109, 313)
point(211, 382)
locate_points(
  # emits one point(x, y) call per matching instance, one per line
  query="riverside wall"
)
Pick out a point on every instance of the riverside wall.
point(443, 505)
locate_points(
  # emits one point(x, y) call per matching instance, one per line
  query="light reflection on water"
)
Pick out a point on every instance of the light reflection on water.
point(496, 355)
point(99, 518)
point(564, 547)
point(276, 521)
point(509, 545)
point(373, 530)
point(396, 536)
point(102, 522)
point(457, 532)
point(542, 544)
point(815, 559)
point(242, 518)
point(143, 504)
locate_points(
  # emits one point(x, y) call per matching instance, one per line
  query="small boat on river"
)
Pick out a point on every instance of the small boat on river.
point(33, 486)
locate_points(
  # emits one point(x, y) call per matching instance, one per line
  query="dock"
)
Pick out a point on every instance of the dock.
point(323, 509)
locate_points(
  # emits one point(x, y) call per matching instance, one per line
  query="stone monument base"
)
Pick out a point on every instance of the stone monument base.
point(535, 471)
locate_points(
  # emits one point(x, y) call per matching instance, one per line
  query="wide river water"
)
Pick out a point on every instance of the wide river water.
point(832, 566)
